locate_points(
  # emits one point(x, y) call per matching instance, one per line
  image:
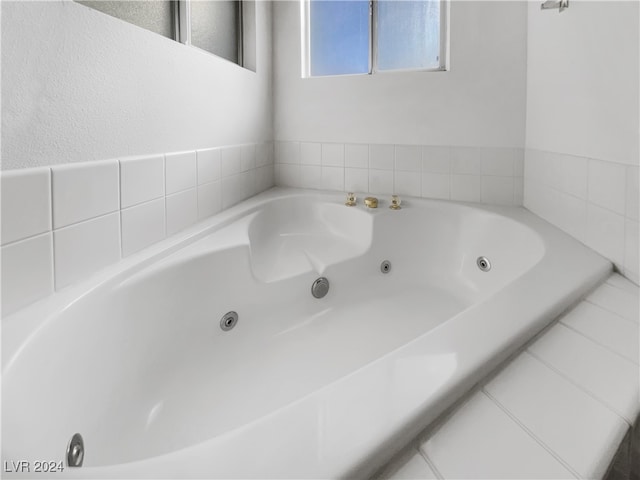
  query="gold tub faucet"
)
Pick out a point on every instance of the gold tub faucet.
point(395, 202)
point(371, 202)
point(351, 199)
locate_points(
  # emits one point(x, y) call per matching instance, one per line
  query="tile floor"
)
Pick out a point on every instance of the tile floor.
point(561, 409)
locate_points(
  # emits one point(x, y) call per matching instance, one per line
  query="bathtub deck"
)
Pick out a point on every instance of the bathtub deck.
point(559, 410)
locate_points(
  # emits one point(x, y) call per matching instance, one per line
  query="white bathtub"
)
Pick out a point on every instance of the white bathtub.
point(135, 360)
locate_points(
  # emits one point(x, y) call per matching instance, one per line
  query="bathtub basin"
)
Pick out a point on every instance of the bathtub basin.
point(135, 360)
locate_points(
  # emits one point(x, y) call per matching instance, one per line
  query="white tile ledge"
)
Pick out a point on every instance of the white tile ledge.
point(540, 398)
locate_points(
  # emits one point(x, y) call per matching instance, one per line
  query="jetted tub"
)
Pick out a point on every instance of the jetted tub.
point(135, 360)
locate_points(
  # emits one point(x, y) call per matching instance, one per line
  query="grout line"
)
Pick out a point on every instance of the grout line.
point(610, 311)
point(598, 343)
point(537, 439)
point(581, 387)
point(430, 463)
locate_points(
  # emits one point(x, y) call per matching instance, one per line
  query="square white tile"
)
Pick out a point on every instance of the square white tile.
point(407, 183)
point(481, 441)
point(633, 193)
point(618, 301)
point(356, 180)
point(605, 233)
point(380, 181)
point(333, 178)
point(264, 154)
point(381, 157)
point(497, 161)
point(27, 272)
point(333, 154)
point(356, 156)
point(142, 225)
point(571, 215)
point(466, 188)
point(606, 328)
point(607, 182)
point(310, 153)
point(26, 203)
point(208, 165)
point(436, 185)
point(247, 157)
point(288, 175)
point(415, 468)
point(608, 377)
point(580, 430)
point(288, 152)
point(180, 171)
point(84, 190)
point(497, 190)
point(84, 248)
point(209, 199)
point(574, 173)
point(465, 160)
point(230, 161)
point(234, 189)
point(141, 180)
point(310, 176)
point(182, 210)
point(435, 160)
point(264, 178)
point(408, 158)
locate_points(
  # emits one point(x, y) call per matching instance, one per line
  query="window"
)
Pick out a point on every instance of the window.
point(217, 26)
point(346, 37)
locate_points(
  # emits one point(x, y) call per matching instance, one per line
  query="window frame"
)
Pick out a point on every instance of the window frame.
point(182, 29)
point(305, 42)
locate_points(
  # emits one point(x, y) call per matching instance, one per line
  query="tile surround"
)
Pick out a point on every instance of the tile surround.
point(593, 200)
point(98, 212)
point(487, 175)
point(563, 408)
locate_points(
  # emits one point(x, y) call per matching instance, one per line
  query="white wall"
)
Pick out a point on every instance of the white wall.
point(582, 132)
point(582, 80)
point(79, 85)
point(479, 102)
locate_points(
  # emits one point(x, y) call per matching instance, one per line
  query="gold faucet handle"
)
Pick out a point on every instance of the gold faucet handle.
point(395, 202)
point(351, 199)
point(371, 202)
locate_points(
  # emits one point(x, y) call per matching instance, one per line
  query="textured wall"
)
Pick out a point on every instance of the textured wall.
point(79, 85)
point(480, 102)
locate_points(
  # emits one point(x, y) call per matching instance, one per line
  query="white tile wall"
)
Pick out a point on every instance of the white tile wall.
point(182, 210)
point(86, 247)
point(83, 191)
point(208, 165)
point(332, 155)
point(141, 180)
point(27, 272)
point(230, 160)
point(26, 204)
point(106, 210)
point(209, 199)
point(143, 225)
point(180, 171)
point(489, 175)
point(593, 200)
point(310, 153)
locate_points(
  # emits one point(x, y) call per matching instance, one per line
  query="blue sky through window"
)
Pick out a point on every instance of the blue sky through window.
point(339, 37)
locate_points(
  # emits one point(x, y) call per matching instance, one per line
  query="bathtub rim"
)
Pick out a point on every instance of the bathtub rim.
point(361, 463)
